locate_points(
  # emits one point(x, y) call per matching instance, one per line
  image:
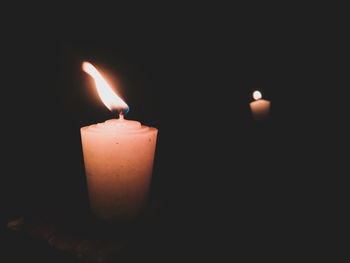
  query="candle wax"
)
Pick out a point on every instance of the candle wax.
point(118, 159)
point(260, 109)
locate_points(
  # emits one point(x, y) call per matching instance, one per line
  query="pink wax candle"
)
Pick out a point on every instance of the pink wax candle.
point(118, 158)
point(260, 108)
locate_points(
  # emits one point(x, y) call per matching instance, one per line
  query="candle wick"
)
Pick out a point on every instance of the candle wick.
point(121, 116)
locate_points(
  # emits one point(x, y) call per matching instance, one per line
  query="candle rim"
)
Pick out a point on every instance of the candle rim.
point(107, 127)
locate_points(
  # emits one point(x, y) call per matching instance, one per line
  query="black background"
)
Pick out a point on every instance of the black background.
point(228, 186)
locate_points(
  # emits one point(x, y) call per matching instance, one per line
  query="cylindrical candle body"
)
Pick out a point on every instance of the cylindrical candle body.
point(118, 158)
point(260, 109)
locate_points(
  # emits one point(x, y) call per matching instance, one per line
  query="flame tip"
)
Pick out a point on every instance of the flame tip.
point(85, 65)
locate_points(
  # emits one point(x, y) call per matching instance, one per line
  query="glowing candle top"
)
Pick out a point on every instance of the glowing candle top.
point(111, 100)
point(257, 95)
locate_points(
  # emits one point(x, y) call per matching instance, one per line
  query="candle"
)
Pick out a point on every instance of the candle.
point(118, 158)
point(260, 108)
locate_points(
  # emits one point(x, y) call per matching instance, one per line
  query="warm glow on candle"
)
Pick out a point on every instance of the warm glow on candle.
point(257, 95)
point(260, 108)
point(112, 101)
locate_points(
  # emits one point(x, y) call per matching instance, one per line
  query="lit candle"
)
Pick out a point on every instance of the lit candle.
point(118, 158)
point(260, 108)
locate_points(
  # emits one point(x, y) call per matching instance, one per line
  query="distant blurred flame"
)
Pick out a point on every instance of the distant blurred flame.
point(257, 95)
point(112, 101)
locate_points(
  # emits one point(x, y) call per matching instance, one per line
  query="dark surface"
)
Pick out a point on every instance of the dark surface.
point(228, 187)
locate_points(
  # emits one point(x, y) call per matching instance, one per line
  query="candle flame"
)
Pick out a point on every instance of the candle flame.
point(257, 95)
point(112, 101)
